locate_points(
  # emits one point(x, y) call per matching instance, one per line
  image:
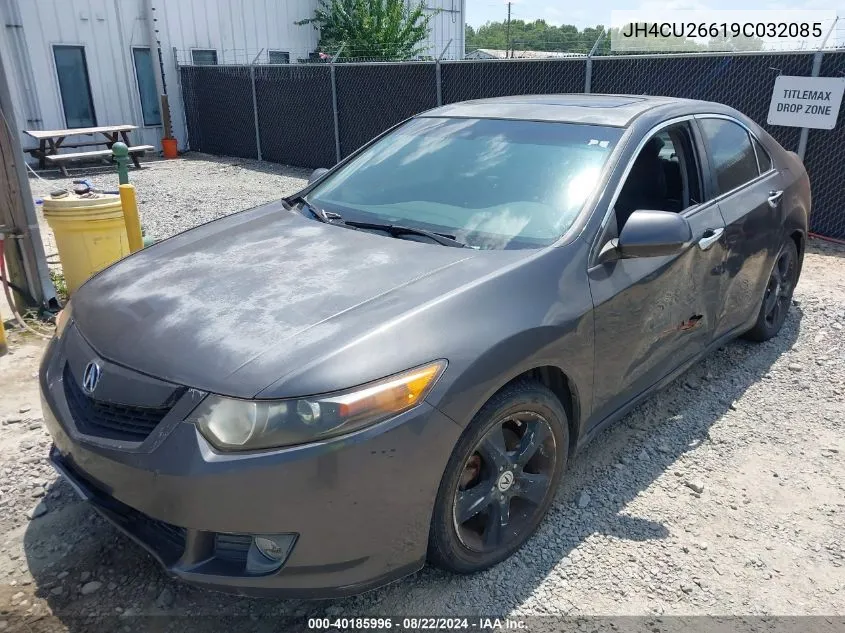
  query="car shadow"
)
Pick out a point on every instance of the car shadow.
point(71, 546)
point(818, 246)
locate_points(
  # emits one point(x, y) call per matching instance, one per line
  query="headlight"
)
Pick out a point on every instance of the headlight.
point(241, 425)
point(63, 319)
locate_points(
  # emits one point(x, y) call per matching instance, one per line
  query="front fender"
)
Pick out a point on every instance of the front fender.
point(569, 347)
point(544, 318)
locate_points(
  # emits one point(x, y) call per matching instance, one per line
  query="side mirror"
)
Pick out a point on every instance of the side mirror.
point(654, 234)
point(317, 174)
point(649, 234)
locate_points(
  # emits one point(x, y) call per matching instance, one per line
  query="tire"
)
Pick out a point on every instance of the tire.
point(777, 296)
point(503, 512)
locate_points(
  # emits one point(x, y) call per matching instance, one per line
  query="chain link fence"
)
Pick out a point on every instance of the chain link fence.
point(294, 116)
point(743, 82)
point(825, 162)
point(219, 110)
point(313, 115)
point(373, 97)
point(481, 79)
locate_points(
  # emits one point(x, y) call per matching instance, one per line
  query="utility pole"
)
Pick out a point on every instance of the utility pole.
point(508, 31)
point(26, 263)
point(158, 67)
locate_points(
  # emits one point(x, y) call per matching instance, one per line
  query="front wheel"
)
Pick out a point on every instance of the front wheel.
point(500, 480)
point(778, 294)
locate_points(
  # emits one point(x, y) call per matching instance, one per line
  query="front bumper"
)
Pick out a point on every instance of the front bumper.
point(360, 504)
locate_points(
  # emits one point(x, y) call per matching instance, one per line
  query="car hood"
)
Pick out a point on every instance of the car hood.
point(233, 305)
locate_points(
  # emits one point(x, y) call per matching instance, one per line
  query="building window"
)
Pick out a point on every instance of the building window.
point(74, 86)
point(279, 57)
point(204, 57)
point(144, 70)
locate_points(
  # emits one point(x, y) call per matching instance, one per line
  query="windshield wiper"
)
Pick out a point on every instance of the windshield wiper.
point(322, 215)
point(396, 230)
point(330, 217)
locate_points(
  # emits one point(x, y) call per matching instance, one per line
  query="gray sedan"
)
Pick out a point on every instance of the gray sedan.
point(394, 365)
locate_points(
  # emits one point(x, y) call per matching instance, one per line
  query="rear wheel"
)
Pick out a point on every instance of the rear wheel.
point(778, 294)
point(500, 480)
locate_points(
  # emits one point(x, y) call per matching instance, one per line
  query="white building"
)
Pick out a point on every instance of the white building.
point(79, 63)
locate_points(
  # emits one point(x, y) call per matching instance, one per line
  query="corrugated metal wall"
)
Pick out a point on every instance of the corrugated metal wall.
point(240, 31)
point(107, 29)
point(447, 28)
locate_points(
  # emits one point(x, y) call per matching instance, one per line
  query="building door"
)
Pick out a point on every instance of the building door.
point(74, 86)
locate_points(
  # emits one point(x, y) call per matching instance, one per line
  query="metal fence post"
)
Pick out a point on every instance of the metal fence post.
point(334, 104)
point(438, 76)
point(588, 78)
point(255, 112)
point(817, 67)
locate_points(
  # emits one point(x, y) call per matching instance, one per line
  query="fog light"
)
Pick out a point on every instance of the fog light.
point(274, 547)
point(268, 552)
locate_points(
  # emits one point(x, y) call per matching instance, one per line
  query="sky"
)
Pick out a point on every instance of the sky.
point(592, 12)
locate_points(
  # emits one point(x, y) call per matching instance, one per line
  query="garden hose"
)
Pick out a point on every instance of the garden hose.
point(7, 288)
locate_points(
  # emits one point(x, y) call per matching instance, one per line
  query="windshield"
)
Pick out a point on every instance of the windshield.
point(490, 183)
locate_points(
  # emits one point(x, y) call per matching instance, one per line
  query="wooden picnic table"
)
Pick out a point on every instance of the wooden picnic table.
point(49, 141)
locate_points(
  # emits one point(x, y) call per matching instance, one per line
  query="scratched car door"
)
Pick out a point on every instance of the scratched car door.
point(653, 314)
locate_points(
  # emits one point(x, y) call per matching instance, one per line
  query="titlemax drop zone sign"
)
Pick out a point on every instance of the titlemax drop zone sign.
point(806, 101)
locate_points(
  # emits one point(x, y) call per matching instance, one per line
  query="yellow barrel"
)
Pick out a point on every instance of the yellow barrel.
point(90, 233)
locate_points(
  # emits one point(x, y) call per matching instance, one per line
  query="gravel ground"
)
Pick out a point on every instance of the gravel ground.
point(723, 495)
point(175, 195)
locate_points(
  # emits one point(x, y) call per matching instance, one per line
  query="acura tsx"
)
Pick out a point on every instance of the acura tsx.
point(394, 365)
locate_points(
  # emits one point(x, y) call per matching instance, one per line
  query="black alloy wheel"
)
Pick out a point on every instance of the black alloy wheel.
point(777, 297)
point(504, 481)
point(501, 479)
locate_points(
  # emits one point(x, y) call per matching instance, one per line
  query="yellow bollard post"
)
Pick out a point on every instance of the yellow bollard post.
point(4, 348)
point(130, 216)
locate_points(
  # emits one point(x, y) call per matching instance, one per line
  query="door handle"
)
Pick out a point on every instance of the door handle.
point(774, 198)
point(711, 236)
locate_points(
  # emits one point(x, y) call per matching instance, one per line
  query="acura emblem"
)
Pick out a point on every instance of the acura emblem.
point(91, 377)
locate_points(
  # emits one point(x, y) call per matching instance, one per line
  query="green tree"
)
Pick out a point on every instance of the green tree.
point(735, 44)
point(372, 29)
point(541, 36)
point(536, 35)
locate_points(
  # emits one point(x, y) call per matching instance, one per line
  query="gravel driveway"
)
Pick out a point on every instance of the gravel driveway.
point(175, 195)
point(723, 494)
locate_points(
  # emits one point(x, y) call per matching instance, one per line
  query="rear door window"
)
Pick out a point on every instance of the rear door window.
point(731, 151)
point(763, 157)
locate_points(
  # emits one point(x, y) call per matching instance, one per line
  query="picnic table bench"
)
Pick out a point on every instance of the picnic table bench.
point(50, 141)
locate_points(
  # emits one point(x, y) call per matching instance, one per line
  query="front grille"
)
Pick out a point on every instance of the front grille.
point(109, 420)
point(232, 547)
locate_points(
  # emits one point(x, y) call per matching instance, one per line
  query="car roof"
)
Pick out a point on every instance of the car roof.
point(596, 109)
